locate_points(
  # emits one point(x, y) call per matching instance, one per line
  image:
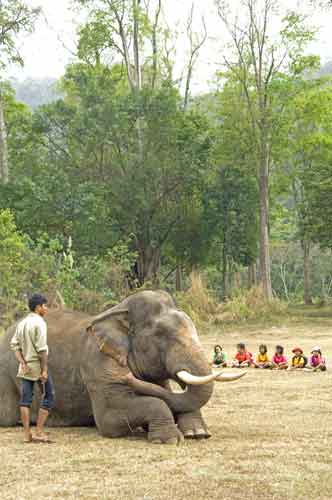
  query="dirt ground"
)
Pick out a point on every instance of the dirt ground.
point(271, 438)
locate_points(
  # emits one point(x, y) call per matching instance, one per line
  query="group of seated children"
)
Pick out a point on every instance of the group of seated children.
point(244, 359)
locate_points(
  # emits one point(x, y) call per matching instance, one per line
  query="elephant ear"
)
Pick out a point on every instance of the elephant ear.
point(110, 330)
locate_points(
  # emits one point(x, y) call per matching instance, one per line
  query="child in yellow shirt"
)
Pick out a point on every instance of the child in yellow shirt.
point(298, 360)
point(262, 359)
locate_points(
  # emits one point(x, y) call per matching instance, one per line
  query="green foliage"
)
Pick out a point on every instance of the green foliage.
point(45, 265)
point(12, 257)
point(309, 150)
point(16, 16)
point(89, 180)
point(115, 185)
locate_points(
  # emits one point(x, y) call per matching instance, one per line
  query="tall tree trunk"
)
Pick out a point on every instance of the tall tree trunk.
point(155, 46)
point(138, 78)
point(306, 273)
point(148, 263)
point(264, 257)
point(238, 280)
point(138, 75)
point(4, 169)
point(252, 278)
point(178, 279)
point(225, 276)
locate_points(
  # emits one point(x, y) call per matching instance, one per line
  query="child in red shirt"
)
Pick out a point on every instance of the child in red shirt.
point(243, 358)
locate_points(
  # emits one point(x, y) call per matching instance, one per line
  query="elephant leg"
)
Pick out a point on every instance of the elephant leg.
point(192, 425)
point(154, 413)
point(137, 411)
point(110, 422)
point(9, 402)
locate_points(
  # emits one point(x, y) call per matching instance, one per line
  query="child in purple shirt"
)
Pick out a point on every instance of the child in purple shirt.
point(317, 361)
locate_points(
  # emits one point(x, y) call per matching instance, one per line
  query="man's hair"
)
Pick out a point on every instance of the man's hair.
point(37, 299)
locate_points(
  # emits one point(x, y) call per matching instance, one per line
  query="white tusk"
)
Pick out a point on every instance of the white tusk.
point(228, 377)
point(190, 379)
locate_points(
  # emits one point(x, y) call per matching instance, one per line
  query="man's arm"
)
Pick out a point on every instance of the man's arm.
point(20, 358)
point(16, 347)
point(42, 350)
point(43, 357)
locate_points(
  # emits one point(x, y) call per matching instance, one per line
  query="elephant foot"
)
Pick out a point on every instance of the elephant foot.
point(196, 434)
point(166, 436)
point(174, 441)
point(193, 426)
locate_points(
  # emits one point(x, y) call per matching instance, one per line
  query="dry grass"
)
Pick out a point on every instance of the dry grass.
point(251, 305)
point(198, 301)
point(272, 434)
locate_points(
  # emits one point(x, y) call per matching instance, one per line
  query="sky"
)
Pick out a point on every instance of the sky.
point(47, 51)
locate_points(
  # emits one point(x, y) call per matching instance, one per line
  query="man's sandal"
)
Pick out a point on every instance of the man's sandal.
point(42, 439)
point(28, 440)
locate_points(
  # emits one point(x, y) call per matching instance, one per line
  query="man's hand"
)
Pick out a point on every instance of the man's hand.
point(128, 378)
point(44, 376)
point(25, 368)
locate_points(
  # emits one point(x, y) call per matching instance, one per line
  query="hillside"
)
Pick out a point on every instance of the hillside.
point(36, 91)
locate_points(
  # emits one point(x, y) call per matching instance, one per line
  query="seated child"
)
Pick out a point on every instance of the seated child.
point(298, 360)
point(262, 360)
point(243, 358)
point(317, 361)
point(219, 357)
point(279, 361)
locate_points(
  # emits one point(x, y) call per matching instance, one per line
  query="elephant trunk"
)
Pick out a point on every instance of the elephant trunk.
point(192, 399)
point(180, 361)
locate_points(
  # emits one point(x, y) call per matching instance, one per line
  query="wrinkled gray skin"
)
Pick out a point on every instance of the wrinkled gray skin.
point(88, 360)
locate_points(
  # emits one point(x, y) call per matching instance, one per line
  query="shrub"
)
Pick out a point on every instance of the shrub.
point(202, 306)
point(251, 305)
point(44, 265)
point(13, 265)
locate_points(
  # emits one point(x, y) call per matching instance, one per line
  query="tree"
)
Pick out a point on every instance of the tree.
point(15, 17)
point(312, 159)
point(91, 182)
point(258, 62)
point(232, 196)
point(131, 31)
point(307, 152)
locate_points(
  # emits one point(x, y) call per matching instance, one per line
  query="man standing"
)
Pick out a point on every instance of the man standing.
point(30, 346)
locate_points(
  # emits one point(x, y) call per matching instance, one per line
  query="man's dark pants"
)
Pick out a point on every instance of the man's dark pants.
point(48, 398)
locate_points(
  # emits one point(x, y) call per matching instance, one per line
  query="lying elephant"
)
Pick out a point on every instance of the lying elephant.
point(115, 369)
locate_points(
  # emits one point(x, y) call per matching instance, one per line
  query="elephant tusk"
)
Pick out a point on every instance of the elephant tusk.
point(190, 379)
point(229, 377)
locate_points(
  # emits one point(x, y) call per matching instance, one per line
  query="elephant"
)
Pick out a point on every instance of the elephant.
point(114, 370)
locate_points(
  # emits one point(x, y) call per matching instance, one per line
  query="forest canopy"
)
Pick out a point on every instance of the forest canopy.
point(118, 176)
